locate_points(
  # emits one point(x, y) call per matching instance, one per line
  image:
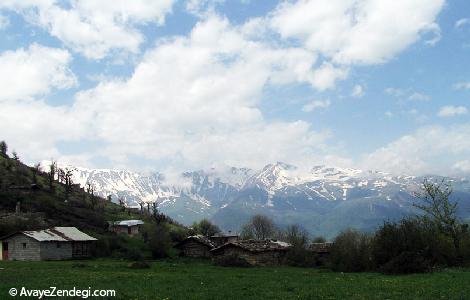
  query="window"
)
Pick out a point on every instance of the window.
point(24, 245)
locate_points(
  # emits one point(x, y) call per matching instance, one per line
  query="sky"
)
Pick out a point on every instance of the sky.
point(172, 85)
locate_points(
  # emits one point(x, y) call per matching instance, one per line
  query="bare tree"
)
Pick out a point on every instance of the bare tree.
point(51, 174)
point(296, 235)
point(259, 227)
point(90, 189)
point(122, 203)
point(15, 156)
point(3, 148)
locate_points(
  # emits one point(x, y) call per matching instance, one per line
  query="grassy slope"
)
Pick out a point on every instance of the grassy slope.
point(181, 279)
point(45, 208)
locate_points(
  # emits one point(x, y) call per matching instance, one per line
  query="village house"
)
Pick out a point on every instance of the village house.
point(220, 238)
point(130, 227)
point(57, 243)
point(195, 246)
point(255, 252)
point(321, 249)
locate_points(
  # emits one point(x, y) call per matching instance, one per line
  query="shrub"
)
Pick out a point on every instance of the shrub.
point(351, 252)
point(159, 240)
point(232, 260)
point(301, 257)
point(410, 246)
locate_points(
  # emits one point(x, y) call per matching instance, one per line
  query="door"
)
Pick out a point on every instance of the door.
point(4, 251)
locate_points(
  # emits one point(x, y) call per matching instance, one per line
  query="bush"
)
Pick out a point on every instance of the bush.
point(410, 246)
point(159, 240)
point(120, 246)
point(351, 252)
point(232, 260)
point(301, 257)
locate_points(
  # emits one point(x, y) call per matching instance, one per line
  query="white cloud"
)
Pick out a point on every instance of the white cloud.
point(394, 92)
point(418, 97)
point(407, 94)
point(316, 104)
point(357, 31)
point(358, 91)
point(192, 102)
point(452, 111)
point(94, 28)
point(202, 8)
point(462, 22)
point(462, 167)
point(433, 149)
point(26, 73)
point(4, 22)
point(326, 76)
point(462, 86)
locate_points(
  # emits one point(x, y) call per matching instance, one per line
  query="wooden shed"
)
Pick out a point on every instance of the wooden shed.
point(57, 243)
point(222, 238)
point(195, 246)
point(255, 252)
point(130, 227)
point(321, 249)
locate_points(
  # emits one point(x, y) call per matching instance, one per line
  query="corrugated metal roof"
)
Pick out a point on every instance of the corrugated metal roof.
point(59, 234)
point(44, 235)
point(74, 234)
point(128, 223)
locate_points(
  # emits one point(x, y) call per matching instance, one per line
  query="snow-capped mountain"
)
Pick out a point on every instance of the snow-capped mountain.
point(323, 199)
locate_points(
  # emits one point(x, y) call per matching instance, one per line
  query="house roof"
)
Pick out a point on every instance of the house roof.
point(58, 234)
point(197, 238)
point(128, 223)
point(256, 245)
point(223, 235)
point(320, 247)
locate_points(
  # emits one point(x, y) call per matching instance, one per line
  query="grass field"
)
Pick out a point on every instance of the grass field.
point(183, 279)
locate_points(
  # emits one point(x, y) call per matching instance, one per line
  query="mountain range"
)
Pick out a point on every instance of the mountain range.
point(324, 200)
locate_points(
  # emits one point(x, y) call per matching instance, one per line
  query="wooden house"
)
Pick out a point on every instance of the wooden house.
point(222, 238)
point(255, 252)
point(130, 227)
point(195, 246)
point(57, 243)
point(321, 249)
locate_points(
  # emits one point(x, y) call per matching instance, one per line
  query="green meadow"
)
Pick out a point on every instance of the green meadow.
point(193, 279)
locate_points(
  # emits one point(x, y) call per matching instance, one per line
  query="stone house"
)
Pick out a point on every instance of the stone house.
point(222, 238)
point(255, 252)
point(195, 246)
point(130, 227)
point(57, 243)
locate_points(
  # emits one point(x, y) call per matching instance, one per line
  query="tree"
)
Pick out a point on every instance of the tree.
point(51, 174)
point(122, 203)
point(15, 156)
point(296, 236)
point(3, 148)
point(35, 170)
point(206, 228)
point(90, 189)
point(436, 204)
point(259, 227)
point(350, 252)
point(319, 239)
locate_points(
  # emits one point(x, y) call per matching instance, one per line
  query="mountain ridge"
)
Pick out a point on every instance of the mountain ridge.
point(323, 199)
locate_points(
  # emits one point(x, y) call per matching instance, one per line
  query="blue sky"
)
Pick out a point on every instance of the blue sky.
point(178, 85)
